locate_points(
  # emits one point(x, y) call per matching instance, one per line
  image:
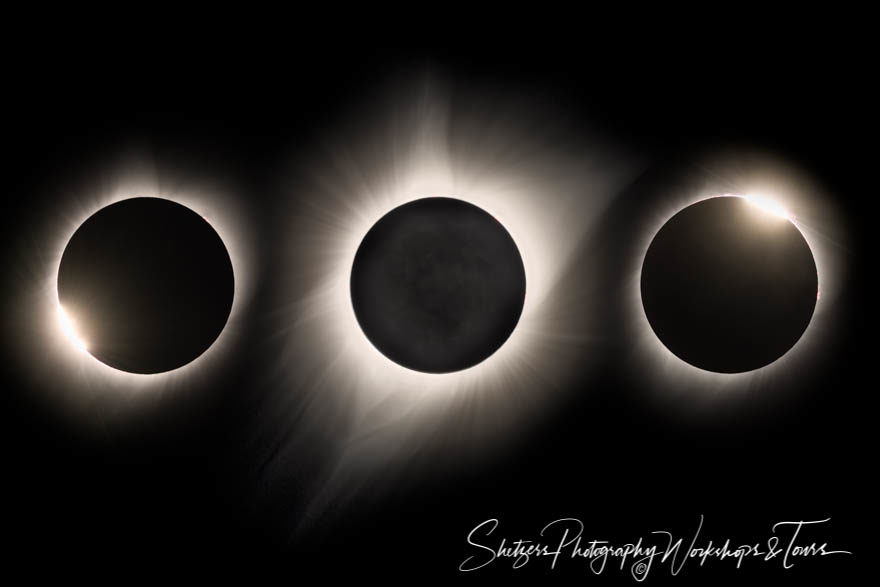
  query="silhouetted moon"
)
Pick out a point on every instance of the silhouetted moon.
point(438, 285)
point(727, 286)
point(148, 283)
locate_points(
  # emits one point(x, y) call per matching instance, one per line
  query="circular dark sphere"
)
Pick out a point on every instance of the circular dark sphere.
point(148, 283)
point(729, 287)
point(438, 285)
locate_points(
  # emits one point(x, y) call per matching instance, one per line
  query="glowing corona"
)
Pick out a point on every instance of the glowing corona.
point(543, 188)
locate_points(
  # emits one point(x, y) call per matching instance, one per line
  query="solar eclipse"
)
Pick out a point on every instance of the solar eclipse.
point(145, 285)
point(437, 285)
point(500, 205)
point(67, 343)
point(778, 241)
point(729, 284)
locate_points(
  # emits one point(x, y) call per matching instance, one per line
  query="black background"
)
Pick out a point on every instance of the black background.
point(173, 492)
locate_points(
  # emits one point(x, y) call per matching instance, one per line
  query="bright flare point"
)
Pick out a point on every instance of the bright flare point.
point(69, 329)
point(769, 206)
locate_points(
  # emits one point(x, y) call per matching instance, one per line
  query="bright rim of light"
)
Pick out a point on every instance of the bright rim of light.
point(68, 327)
point(792, 196)
point(219, 345)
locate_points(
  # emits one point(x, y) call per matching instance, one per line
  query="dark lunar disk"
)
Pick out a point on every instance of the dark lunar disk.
point(729, 287)
point(438, 285)
point(148, 284)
